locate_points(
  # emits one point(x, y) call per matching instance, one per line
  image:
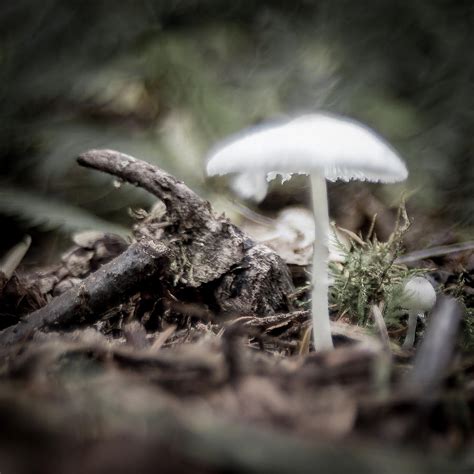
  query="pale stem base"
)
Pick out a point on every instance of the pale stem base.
point(411, 331)
point(320, 310)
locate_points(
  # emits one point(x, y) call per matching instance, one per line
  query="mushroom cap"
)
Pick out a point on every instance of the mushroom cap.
point(338, 147)
point(418, 295)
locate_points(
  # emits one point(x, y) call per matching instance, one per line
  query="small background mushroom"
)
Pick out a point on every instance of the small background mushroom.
point(418, 297)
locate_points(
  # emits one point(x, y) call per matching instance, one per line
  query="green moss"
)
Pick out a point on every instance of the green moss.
point(370, 275)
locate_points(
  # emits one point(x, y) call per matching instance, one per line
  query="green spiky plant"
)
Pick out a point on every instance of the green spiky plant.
point(368, 274)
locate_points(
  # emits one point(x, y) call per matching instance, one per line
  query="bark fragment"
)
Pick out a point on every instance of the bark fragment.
point(111, 284)
point(244, 276)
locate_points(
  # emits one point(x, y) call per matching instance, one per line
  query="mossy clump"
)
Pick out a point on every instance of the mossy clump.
point(370, 275)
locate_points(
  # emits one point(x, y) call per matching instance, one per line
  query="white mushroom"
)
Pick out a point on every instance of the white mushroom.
point(325, 147)
point(418, 297)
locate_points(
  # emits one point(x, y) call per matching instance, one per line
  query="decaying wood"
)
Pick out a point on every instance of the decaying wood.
point(245, 277)
point(211, 388)
point(184, 208)
point(112, 284)
point(90, 252)
point(209, 252)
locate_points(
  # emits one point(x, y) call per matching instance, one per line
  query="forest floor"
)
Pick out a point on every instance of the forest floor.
point(170, 357)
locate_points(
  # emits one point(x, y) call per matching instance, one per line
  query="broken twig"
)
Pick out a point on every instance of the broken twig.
point(101, 290)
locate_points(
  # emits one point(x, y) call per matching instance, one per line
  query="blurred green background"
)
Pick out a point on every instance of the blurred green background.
point(164, 81)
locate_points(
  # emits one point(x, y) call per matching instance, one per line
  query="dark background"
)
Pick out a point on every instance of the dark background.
point(165, 80)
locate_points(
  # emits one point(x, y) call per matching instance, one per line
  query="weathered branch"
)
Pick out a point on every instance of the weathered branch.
point(101, 290)
point(206, 246)
point(246, 277)
point(182, 204)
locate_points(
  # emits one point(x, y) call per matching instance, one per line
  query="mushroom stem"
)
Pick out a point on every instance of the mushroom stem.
point(411, 331)
point(320, 312)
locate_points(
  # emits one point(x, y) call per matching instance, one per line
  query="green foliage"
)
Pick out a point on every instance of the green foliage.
point(163, 81)
point(49, 214)
point(370, 275)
